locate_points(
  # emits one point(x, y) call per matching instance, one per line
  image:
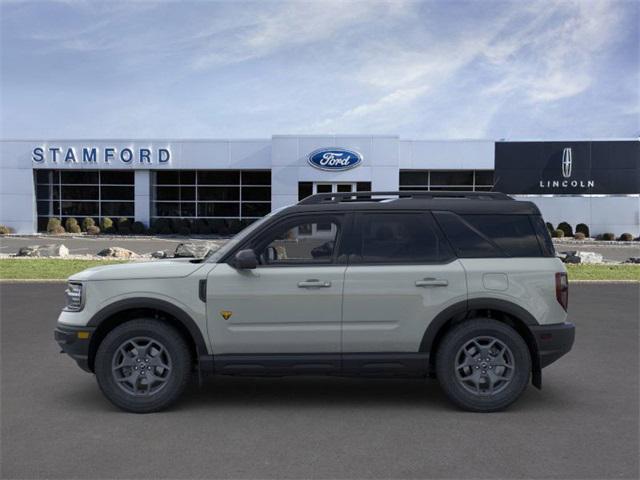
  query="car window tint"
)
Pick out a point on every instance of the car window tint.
point(301, 243)
point(467, 242)
point(400, 238)
point(548, 250)
point(514, 234)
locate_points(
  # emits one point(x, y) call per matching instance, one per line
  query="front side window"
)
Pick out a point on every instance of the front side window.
point(305, 241)
point(399, 238)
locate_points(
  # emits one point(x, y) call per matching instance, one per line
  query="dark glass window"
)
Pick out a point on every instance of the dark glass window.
point(514, 234)
point(219, 193)
point(77, 177)
point(80, 209)
point(80, 192)
point(454, 177)
point(42, 176)
point(414, 178)
point(188, 209)
point(219, 177)
point(117, 177)
point(187, 177)
point(548, 250)
point(168, 178)
point(117, 209)
point(168, 193)
point(484, 177)
point(42, 191)
point(187, 193)
point(363, 187)
point(167, 209)
point(218, 209)
point(399, 238)
point(256, 177)
point(255, 209)
point(116, 193)
point(305, 189)
point(467, 242)
point(262, 194)
point(43, 208)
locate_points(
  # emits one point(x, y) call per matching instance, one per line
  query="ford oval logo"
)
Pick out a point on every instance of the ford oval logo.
point(334, 159)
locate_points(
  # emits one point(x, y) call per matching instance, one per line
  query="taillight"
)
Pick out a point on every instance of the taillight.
point(562, 289)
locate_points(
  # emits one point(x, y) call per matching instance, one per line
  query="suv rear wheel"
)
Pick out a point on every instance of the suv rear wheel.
point(483, 365)
point(143, 365)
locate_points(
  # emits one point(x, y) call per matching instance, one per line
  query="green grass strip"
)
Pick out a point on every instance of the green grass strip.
point(45, 268)
point(603, 272)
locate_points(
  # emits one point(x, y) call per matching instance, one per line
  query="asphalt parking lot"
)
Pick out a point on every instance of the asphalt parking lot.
point(583, 424)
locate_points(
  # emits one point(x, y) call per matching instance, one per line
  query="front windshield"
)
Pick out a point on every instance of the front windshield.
point(216, 255)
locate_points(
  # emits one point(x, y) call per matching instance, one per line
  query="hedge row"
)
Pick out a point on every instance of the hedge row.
point(564, 230)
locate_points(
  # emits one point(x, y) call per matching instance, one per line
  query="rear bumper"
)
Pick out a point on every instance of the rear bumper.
point(74, 345)
point(553, 341)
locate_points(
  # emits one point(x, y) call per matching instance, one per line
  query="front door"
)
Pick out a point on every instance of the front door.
point(291, 303)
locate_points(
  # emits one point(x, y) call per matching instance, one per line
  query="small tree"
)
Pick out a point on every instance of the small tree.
point(557, 233)
point(93, 230)
point(124, 226)
point(608, 236)
point(88, 222)
point(566, 228)
point(4, 230)
point(138, 228)
point(626, 237)
point(54, 226)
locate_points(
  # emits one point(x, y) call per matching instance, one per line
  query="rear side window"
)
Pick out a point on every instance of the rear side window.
point(467, 241)
point(548, 250)
point(399, 238)
point(476, 236)
point(514, 234)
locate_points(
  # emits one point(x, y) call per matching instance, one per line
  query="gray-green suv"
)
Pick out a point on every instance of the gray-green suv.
point(461, 286)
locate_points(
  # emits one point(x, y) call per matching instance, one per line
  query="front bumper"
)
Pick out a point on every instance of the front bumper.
point(74, 341)
point(553, 341)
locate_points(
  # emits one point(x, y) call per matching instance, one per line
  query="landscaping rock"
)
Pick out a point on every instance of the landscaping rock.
point(159, 254)
point(117, 252)
point(185, 250)
point(590, 257)
point(52, 250)
point(571, 257)
point(632, 260)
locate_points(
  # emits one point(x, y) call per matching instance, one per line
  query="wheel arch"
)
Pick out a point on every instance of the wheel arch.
point(501, 310)
point(122, 311)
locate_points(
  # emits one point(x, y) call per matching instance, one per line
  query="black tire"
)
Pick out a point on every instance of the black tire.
point(472, 391)
point(153, 336)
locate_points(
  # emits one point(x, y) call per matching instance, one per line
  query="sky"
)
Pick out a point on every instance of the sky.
point(420, 70)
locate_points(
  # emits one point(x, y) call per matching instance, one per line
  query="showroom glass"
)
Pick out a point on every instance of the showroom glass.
point(399, 238)
point(88, 193)
point(224, 194)
point(453, 180)
point(300, 243)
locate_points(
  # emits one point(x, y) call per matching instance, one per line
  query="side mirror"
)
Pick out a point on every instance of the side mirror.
point(245, 260)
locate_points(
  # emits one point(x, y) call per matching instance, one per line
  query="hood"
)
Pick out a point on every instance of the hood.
point(174, 268)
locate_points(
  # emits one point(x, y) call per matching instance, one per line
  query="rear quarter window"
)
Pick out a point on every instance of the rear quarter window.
point(483, 235)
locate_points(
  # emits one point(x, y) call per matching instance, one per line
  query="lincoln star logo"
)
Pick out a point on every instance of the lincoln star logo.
point(334, 159)
point(567, 160)
point(226, 314)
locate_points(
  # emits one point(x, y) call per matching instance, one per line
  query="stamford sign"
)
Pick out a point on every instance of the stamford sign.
point(334, 159)
point(95, 155)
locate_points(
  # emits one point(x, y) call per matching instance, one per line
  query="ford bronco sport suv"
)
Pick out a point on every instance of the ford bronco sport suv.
point(464, 287)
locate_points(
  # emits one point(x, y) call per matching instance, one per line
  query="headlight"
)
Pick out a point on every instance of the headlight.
point(75, 299)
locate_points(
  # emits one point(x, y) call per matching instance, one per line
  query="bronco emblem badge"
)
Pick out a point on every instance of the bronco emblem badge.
point(226, 314)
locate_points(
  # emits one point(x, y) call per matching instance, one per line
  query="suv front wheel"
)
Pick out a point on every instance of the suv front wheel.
point(483, 365)
point(143, 365)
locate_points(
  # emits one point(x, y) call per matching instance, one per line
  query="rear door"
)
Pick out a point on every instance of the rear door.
point(401, 274)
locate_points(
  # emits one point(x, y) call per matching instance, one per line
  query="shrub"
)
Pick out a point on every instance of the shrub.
point(557, 233)
point(71, 225)
point(88, 222)
point(106, 225)
point(138, 228)
point(626, 237)
point(161, 226)
point(4, 230)
point(54, 225)
point(608, 236)
point(550, 227)
point(583, 228)
point(93, 230)
point(579, 236)
point(124, 226)
point(566, 228)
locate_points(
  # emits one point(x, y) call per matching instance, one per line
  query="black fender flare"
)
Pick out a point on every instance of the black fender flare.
point(156, 304)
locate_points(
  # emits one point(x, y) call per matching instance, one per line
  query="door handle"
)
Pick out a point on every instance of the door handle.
point(432, 282)
point(313, 283)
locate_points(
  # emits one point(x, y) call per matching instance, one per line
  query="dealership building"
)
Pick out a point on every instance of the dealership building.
point(596, 182)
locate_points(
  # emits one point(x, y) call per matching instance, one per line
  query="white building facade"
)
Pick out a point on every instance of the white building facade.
point(237, 181)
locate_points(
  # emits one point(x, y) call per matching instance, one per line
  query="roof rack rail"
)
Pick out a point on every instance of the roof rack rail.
point(419, 194)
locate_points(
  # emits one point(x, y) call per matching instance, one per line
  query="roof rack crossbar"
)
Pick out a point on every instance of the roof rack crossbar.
point(417, 194)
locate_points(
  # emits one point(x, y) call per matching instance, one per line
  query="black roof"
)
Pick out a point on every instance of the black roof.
point(458, 202)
